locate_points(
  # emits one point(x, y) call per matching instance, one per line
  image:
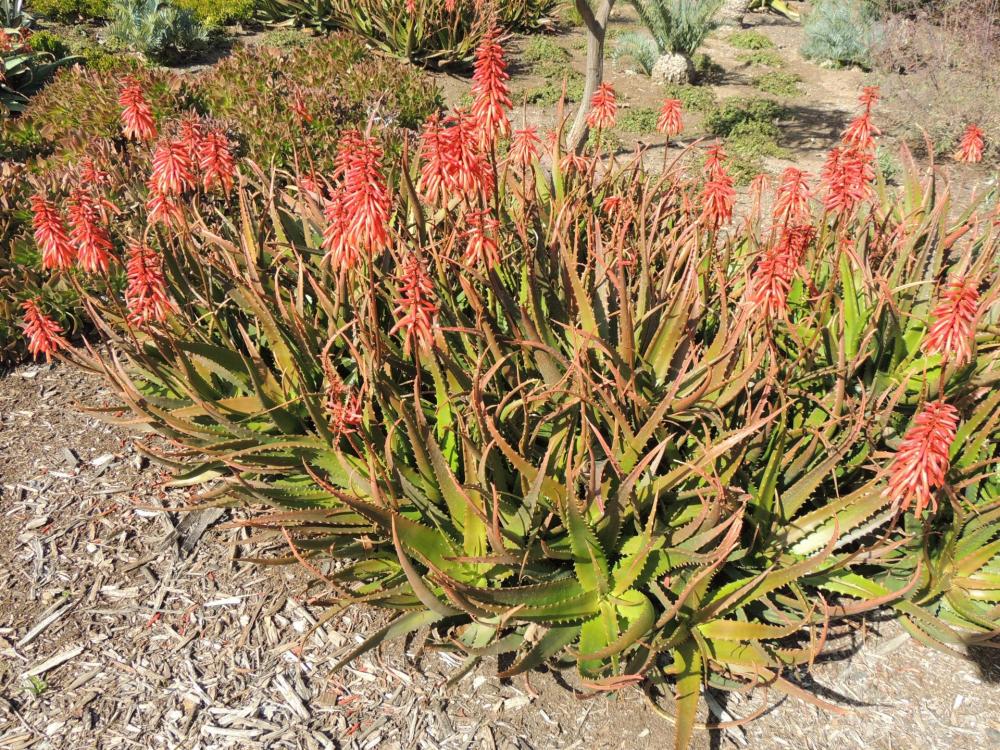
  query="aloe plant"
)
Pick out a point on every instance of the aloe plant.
point(23, 71)
point(588, 443)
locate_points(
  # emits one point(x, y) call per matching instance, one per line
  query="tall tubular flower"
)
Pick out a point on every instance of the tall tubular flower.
point(791, 202)
point(435, 161)
point(847, 176)
point(970, 148)
point(603, 108)
point(416, 311)
point(136, 115)
point(339, 252)
point(91, 175)
point(669, 122)
point(921, 462)
point(718, 194)
point(470, 175)
point(91, 238)
point(869, 97)
point(772, 277)
point(953, 329)
point(366, 199)
point(525, 147)
point(172, 168)
point(299, 107)
point(215, 160)
point(146, 292)
point(190, 133)
point(44, 334)
point(50, 234)
point(160, 208)
point(481, 250)
point(861, 132)
point(489, 85)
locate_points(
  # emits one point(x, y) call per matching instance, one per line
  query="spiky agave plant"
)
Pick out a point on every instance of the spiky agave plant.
point(563, 415)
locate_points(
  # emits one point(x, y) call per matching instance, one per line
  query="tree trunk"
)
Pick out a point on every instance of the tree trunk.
point(597, 26)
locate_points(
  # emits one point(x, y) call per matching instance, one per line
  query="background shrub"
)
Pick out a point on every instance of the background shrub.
point(220, 12)
point(70, 10)
point(154, 29)
point(844, 32)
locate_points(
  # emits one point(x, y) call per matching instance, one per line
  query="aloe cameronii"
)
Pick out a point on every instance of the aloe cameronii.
point(580, 415)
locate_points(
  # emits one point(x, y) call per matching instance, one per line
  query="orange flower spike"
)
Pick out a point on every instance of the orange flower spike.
point(847, 176)
point(366, 199)
point(44, 334)
point(172, 167)
point(136, 115)
point(603, 108)
point(215, 160)
point(146, 292)
point(91, 238)
point(869, 97)
point(922, 460)
point(436, 161)
point(489, 85)
point(525, 147)
point(50, 234)
point(416, 309)
point(970, 148)
point(481, 250)
point(791, 202)
point(953, 330)
point(669, 122)
point(162, 209)
point(342, 405)
point(339, 252)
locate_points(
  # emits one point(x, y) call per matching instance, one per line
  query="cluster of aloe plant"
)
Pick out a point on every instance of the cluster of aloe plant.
point(604, 454)
point(429, 32)
point(22, 69)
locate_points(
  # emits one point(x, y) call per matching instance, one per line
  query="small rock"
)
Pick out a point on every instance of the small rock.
point(70, 457)
point(730, 14)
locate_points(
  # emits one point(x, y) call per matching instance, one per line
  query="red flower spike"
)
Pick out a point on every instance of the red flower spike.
point(489, 85)
point(669, 122)
point(869, 97)
point(525, 147)
point(791, 202)
point(860, 134)
point(436, 161)
point(366, 199)
point(136, 115)
point(172, 168)
point(92, 176)
point(603, 108)
point(715, 156)
point(50, 234)
point(339, 252)
point(772, 277)
point(472, 175)
point(416, 310)
point(953, 330)
point(190, 133)
point(482, 249)
point(146, 292)
point(44, 334)
point(847, 176)
point(92, 240)
point(215, 160)
point(970, 148)
point(162, 208)
point(922, 459)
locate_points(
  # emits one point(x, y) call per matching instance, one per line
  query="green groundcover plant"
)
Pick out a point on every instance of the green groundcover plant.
point(554, 406)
